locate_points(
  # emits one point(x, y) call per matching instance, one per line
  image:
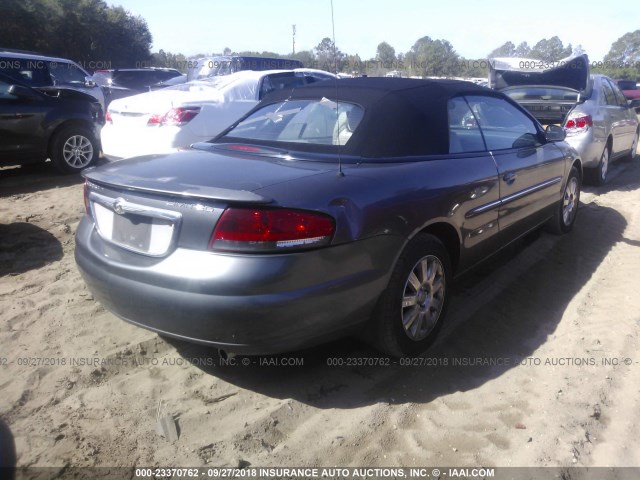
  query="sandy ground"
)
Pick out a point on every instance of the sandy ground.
point(530, 370)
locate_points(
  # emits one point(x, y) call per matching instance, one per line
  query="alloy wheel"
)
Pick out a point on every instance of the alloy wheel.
point(570, 201)
point(604, 164)
point(77, 151)
point(423, 297)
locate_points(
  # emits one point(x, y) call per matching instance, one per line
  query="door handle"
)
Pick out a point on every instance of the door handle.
point(510, 177)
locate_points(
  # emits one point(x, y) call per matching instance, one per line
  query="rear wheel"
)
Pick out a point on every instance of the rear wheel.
point(600, 173)
point(410, 311)
point(565, 215)
point(633, 154)
point(73, 149)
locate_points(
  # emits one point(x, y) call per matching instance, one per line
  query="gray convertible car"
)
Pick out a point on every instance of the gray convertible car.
point(330, 210)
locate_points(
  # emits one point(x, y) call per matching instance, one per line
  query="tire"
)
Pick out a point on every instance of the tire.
point(73, 149)
point(567, 211)
point(600, 173)
point(421, 276)
point(633, 154)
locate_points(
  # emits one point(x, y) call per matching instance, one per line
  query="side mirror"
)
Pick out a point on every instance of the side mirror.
point(89, 82)
point(22, 92)
point(554, 133)
point(635, 103)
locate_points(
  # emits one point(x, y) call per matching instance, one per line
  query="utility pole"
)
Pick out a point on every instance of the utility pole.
point(294, 39)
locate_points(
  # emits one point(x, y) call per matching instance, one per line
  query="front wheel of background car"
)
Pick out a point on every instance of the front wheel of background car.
point(565, 215)
point(600, 173)
point(410, 311)
point(73, 149)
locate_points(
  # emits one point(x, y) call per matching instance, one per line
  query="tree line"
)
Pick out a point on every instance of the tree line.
point(97, 35)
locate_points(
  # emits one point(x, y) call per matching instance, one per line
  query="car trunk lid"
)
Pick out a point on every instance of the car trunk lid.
point(549, 91)
point(231, 177)
point(137, 109)
point(154, 204)
point(572, 73)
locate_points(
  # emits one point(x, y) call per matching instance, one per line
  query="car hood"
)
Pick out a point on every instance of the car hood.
point(570, 73)
point(205, 174)
point(162, 100)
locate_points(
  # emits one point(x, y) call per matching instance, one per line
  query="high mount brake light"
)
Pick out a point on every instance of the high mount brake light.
point(271, 230)
point(176, 116)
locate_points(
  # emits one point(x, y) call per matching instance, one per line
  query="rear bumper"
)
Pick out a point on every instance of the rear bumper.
point(588, 146)
point(249, 304)
point(120, 142)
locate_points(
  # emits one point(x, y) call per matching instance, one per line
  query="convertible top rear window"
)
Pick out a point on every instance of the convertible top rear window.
point(316, 122)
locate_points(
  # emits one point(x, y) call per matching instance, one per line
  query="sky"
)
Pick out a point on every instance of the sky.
point(474, 28)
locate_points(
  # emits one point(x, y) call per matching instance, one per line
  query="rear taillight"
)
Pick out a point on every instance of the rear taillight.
point(578, 123)
point(107, 117)
point(175, 116)
point(274, 230)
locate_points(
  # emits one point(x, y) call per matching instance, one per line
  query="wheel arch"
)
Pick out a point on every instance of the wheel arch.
point(577, 164)
point(449, 236)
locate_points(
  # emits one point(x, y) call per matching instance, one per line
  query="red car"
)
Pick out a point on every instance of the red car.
point(629, 89)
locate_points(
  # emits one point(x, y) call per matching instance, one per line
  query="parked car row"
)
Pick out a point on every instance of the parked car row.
point(601, 124)
point(38, 103)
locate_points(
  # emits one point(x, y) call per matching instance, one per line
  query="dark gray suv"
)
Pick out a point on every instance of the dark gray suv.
point(48, 122)
point(37, 70)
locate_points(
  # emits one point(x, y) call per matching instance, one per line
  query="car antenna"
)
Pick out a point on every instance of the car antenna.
point(335, 67)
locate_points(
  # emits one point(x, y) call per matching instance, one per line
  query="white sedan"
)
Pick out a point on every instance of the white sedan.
point(173, 118)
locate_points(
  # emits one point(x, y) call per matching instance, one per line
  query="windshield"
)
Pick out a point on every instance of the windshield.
point(318, 121)
point(542, 94)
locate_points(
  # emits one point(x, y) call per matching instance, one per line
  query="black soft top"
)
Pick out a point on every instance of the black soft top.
point(403, 116)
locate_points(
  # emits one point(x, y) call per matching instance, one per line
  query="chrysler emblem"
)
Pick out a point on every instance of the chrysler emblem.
point(118, 206)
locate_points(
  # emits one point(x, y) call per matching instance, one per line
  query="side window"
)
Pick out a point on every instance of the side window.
point(464, 133)
point(620, 100)
point(32, 72)
point(63, 73)
point(4, 91)
point(266, 87)
point(609, 97)
point(502, 124)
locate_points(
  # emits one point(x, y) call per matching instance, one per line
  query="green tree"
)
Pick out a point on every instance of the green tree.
point(523, 50)
point(328, 56)
point(83, 30)
point(169, 60)
point(386, 55)
point(625, 50)
point(550, 50)
point(474, 68)
point(307, 58)
point(508, 49)
point(354, 65)
point(429, 57)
